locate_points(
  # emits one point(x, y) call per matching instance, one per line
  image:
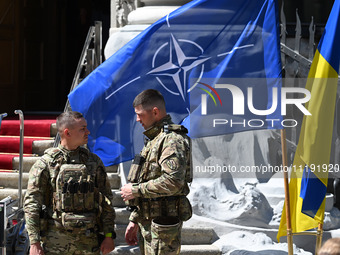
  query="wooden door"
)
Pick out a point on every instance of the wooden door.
point(29, 44)
point(9, 57)
point(39, 34)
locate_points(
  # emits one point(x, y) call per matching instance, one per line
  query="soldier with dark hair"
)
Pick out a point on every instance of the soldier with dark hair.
point(68, 198)
point(159, 179)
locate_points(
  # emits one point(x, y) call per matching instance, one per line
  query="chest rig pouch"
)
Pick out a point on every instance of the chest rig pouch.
point(75, 198)
point(136, 168)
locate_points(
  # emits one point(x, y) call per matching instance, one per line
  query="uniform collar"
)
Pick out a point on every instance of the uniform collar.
point(71, 156)
point(153, 131)
point(68, 152)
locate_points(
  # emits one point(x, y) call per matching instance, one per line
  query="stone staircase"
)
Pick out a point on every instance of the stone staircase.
point(9, 178)
point(195, 241)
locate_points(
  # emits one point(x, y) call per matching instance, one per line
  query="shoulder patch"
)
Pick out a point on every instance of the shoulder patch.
point(171, 164)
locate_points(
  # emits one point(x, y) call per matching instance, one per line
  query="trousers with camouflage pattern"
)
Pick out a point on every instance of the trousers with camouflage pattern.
point(57, 241)
point(160, 236)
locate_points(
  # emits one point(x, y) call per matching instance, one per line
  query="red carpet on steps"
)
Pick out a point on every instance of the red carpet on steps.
point(35, 128)
point(6, 160)
point(39, 128)
point(11, 144)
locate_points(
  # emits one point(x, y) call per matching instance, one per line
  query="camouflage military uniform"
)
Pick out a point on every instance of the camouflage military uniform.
point(161, 188)
point(44, 225)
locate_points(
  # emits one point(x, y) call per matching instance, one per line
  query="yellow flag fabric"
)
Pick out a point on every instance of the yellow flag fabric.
point(308, 180)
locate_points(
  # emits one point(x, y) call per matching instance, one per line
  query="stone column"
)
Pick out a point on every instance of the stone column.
point(130, 17)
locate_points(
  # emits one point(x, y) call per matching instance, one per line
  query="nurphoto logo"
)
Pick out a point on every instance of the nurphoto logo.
point(246, 104)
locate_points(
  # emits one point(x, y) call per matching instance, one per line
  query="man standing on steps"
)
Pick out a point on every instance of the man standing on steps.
point(159, 177)
point(68, 198)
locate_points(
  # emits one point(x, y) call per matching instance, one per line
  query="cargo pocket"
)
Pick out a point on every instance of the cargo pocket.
point(184, 209)
point(67, 202)
point(89, 201)
point(166, 235)
point(78, 223)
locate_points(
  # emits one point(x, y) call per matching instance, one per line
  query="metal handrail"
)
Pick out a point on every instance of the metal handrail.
point(98, 42)
point(21, 153)
point(81, 63)
point(2, 115)
point(9, 208)
point(94, 36)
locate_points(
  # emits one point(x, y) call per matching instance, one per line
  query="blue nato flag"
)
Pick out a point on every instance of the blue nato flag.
point(204, 39)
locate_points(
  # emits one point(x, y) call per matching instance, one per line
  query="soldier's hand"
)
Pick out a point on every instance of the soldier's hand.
point(107, 245)
point(131, 234)
point(36, 249)
point(126, 192)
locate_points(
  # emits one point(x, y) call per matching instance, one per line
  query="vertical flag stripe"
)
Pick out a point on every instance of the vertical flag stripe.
point(307, 189)
point(312, 192)
point(330, 41)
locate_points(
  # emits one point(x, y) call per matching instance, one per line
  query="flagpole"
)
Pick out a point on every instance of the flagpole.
point(286, 186)
point(318, 238)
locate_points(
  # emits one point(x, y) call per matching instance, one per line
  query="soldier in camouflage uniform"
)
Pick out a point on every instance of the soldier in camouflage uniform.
point(159, 177)
point(68, 198)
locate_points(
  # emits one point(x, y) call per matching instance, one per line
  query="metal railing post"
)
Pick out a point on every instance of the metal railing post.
point(90, 61)
point(84, 67)
point(21, 151)
point(98, 43)
point(2, 115)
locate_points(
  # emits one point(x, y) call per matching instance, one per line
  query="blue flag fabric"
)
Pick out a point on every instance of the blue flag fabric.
point(313, 192)
point(204, 39)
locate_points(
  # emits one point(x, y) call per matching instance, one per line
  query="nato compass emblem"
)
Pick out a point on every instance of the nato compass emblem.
point(178, 65)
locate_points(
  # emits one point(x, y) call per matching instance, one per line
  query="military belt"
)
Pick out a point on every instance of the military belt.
point(59, 226)
point(169, 198)
point(87, 231)
point(160, 206)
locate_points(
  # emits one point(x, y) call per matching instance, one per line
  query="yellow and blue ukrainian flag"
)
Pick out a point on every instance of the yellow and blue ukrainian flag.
point(308, 180)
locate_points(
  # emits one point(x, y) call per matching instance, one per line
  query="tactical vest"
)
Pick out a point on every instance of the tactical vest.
point(140, 164)
point(145, 168)
point(76, 201)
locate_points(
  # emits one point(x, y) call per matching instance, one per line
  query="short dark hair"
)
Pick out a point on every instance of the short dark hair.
point(148, 99)
point(67, 120)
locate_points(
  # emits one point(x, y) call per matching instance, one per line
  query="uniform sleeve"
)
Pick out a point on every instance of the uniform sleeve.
point(108, 216)
point(108, 213)
point(103, 182)
point(173, 163)
point(135, 217)
point(36, 188)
